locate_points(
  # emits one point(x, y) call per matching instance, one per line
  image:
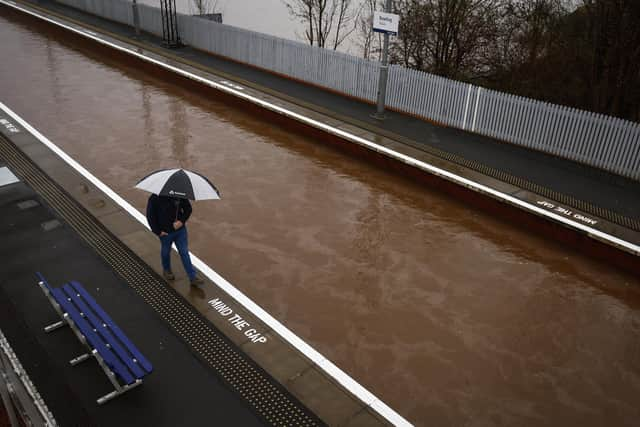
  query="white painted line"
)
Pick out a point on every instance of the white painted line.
point(77, 166)
point(393, 417)
point(230, 84)
point(342, 378)
point(347, 382)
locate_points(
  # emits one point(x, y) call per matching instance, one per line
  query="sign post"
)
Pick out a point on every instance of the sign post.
point(386, 23)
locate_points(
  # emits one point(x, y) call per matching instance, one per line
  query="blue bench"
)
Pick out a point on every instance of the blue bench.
point(121, 361)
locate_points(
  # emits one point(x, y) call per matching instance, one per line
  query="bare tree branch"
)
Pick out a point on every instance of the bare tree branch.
point(203, 7)
point(328, 22)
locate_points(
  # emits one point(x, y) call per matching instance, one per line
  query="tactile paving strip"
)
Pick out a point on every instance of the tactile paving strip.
point(267, 398)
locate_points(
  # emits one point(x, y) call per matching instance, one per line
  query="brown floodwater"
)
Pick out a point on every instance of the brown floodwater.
point(449, 315)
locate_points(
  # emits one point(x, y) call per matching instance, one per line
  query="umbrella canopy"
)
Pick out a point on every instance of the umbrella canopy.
point(179, 183)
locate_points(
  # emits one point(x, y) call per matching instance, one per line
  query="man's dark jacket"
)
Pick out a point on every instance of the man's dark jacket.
point(163, 211)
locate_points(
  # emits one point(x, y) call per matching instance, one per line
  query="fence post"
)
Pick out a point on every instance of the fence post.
point(475, 113)
point(466, 109)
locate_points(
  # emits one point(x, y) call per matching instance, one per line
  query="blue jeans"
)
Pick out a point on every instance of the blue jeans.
point(180, 238)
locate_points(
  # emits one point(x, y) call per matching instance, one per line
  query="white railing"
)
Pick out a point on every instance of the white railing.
point(594, 139)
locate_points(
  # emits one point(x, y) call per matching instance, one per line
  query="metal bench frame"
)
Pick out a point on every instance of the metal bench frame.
point(67, 320)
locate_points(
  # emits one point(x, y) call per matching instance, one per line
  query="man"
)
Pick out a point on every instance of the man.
point(167, 217)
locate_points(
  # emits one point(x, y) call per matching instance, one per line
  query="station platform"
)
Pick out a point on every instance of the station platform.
point(592, 203)
point(181, 391)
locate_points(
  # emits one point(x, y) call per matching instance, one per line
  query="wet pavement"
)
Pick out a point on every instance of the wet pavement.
point(448, 315)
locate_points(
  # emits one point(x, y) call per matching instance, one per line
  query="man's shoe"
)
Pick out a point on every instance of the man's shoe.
point(197, 281)
point(168, 275)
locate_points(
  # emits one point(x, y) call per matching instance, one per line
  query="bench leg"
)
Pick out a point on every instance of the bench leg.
point(54, 326)
point(119, 389)
point(107, 371)
point(122, 389)
point(79, 359)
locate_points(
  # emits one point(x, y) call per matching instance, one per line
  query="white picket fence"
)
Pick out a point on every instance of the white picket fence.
point(597, 140)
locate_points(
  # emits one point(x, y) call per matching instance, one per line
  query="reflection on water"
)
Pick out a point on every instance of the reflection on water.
point(179, 132)
point(448, 315)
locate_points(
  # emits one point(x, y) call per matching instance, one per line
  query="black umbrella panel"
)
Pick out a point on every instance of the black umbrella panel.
point(179, 183)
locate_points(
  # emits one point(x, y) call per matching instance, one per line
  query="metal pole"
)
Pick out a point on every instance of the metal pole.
point(175, 14)
point(384, 72)
point(163, 18)
point(136, 17)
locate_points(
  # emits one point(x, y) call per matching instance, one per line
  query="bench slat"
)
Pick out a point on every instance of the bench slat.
point(142, 361)
point(112, 361)
point(104, 332)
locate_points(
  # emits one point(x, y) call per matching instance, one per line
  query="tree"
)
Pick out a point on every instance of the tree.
point(370, 42)
point(528, 31)
point(445, 37)
point(580, 53)
point(583, 54)
point(328, 22)
point(612, 56)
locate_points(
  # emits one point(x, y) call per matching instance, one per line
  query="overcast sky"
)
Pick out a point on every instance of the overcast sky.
point(265, 16)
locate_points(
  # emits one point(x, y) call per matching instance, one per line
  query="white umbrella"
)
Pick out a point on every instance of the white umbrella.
point(179, 183)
